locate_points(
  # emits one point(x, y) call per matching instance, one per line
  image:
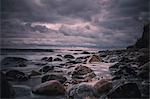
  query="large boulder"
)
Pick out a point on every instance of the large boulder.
point(15, 75)
point(14, 62)
point(81, 91)
point(127, 90)
point(83, 72)
point(6, 88)
point(45, 69)
point(52, 87)
point(57, 77)
point(102, 86)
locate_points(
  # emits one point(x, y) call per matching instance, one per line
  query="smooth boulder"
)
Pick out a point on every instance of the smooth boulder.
point(45, 69)
point(127, 90)
point(83, 72)
point(14, 62)
point(15, 75)
point(81, 91)
point(51, 88)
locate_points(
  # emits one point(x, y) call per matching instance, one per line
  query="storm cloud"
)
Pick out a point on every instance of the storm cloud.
point(72, 23)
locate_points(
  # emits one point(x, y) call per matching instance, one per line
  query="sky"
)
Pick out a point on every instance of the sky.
point(102, 24)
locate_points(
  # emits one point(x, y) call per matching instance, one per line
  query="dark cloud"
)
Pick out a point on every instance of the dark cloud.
point(94, 23)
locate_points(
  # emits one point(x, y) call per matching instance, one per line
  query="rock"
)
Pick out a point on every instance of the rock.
point(69, 56)
point(14, 62)
point(44, 59)
point(81, 91)
point(144, 71)
point(85, 52)
point(51, 88)
point(7, 90)
point(49, 77)
point(57, 59)
point(45, 69)
point(83, 72)
point(35, 73)
point(116, 77)
point(126, 60)
point(48, 59)
point(22, 91)
point(14, 75)
point(102, 86)
point(142, 59)
point(127, 90)
point(59, 55)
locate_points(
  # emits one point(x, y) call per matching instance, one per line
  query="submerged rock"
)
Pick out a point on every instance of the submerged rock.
point(127, 90)
point(15, 75)
point(52, 87)
point(45, 69)
point(14, 62)
point(7, 90)
point(57, 59)
point(69, 56)
point(49, 77)
point(144, 71)
point(81, 91)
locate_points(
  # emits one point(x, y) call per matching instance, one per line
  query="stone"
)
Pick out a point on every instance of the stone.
point(81, 91)
point(15, 75)
point(35, 73)
point(14, 62)
point(7, 90)
point(82, 72)
point(57, 59)
point(85, 52)
point(57, 77)
point(103, 86)
point(45, 69)
point(127, 90)
point(51, 88)
point(144, 71)
point(50, 59)
point(69, 56)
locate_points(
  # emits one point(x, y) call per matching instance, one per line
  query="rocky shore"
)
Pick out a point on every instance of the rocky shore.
point(85, 75)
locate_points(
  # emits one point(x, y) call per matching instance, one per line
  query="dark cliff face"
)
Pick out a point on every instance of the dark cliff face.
point(143, 42)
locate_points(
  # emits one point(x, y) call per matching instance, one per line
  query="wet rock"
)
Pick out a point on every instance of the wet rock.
point(7, 90)
point(103, 86)
point(83, 72)
point(85, 52)
point(45, 69)
point(57, 59)
point(14, 62)
point(126, 60)
point(81, 91)
point(35, 73)
point(69, 56)
point(57, 77)
point(44, 59)
point(51, 88)
point(48, 59)
point(142, 59)
point(59, 55)
point(144, 71)
point(127, 90)
point(116, 77)
point(15, 75)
